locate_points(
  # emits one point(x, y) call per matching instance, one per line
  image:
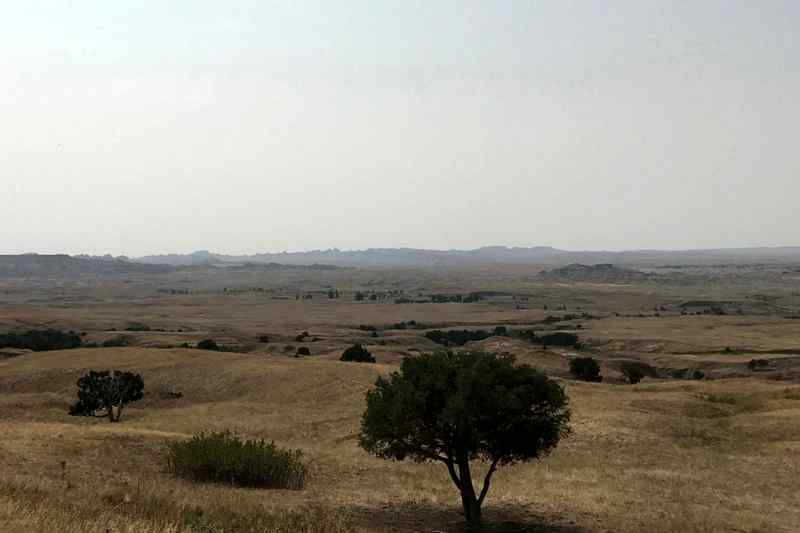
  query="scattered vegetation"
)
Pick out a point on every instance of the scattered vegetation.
point(459, 407)
point(137, 326)
point(758, 364)
point(223, 457)
point(40, 340)
point(457, 337)
point(208, 344)
point(585, 369)
point(109, 391)
point(303, 350)
point(357, 354)
point(635, 371)
point(116, 342)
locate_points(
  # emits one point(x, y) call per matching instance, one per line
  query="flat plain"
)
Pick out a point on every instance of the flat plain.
point(706, 444)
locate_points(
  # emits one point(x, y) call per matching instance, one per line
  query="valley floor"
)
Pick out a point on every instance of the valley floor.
point(661, 456)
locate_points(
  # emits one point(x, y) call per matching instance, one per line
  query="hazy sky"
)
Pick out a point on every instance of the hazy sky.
point(157, 126)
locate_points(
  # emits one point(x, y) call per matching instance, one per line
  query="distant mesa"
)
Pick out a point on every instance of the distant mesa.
point(600, 273)
point(35, 265)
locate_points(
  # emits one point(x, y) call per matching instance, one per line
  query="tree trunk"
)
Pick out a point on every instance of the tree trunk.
point(469, 501)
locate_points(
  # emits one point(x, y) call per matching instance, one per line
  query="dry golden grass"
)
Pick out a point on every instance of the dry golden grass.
point(659, 456)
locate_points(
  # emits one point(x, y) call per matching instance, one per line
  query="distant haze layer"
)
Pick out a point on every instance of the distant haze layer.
point(137, 128)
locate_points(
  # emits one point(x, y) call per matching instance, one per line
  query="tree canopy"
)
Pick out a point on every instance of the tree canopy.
point(108, 390)
point(460, 407)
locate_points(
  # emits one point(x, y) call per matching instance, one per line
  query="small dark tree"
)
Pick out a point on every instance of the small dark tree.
point(585, 369)
point(358, 354)
point(359, 296)
point(303, 351)
point(460, 407)
point(108, 390)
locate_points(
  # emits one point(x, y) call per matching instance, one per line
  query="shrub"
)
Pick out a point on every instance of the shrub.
point(357, 354)
point(223, 457)
point(40, 340)
point(585, 369)
point(116, 342)
point(755, 364)
point(457, 337)
point(559, 338)
point(634, 371)
point(264, 339)
point(137, 326)
point(109, 390)
point(499, 331)
point(303, 351)
point(208, 344)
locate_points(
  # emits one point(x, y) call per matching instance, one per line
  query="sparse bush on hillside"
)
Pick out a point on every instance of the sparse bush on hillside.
point(457, 337)
point(116, 342)
point(137, 326)
point(585, 369)
point(303, 351)
point(460, 407)
point(226, 458)
point(559, 338)
point(208, 344)
point(357, 354)
point(40, 340)
point(634, 371)
point(264, 339)
point(109, 391)
point(756, 364)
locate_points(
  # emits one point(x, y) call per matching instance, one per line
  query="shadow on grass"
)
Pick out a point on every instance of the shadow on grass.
point(427, 517)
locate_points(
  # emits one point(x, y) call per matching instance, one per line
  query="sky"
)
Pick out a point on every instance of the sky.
point(264, 126)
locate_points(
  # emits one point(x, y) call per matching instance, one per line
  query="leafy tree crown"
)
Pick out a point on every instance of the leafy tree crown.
point(456, 407)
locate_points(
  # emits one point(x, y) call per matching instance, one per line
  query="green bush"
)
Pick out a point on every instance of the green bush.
point(208, 344)
point(40, 340)
point(358, 354)
point(635, 371)
point(585, 369)
point(223, 457)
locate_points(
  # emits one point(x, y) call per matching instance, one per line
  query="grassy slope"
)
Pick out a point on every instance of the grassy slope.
point(677, 456)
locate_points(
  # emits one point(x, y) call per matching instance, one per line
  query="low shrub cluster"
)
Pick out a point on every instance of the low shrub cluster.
point(137, 326)
point(585, 369)
point(457, 337)
point(635, 371)
point(357, 354)
point(208, 344)
point(558, 338)
point(223, 457)
point(40, 340)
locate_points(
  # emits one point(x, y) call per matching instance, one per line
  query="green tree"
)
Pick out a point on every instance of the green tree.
point(455, 408)
point(107, 390)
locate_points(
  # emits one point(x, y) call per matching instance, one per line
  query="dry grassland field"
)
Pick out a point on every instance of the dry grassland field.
point(707, 442)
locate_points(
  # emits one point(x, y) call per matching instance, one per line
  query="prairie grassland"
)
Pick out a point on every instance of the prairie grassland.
point(660, 456)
